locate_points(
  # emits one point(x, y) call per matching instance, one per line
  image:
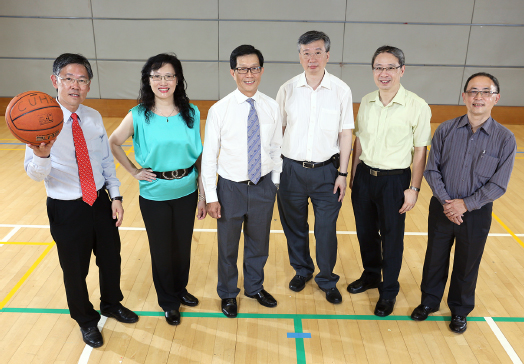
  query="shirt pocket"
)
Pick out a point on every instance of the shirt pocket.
point(486, 166)
point(96, 149)
point(329, 119)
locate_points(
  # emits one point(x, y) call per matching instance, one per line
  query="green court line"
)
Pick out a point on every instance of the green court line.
point(299, 342)
point(272, 316)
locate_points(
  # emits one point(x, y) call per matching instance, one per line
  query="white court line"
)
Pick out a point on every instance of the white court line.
point(84, 358)
point(10, 235)
point(503, 341)
point(416, 233)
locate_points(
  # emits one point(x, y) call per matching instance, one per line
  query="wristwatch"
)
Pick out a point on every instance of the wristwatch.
point(343, 174)
point(119, 198)
point(414, 188)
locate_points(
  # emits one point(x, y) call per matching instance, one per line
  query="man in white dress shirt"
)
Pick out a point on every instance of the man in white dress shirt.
point(82, 217)
point(243, 145)
point(317, 119)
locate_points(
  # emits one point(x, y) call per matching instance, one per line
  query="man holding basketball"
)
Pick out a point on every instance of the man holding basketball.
point(79, 172)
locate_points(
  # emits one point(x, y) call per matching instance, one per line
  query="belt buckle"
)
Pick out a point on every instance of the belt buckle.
point(168, 175)
point(373, 172)
point(308, 164)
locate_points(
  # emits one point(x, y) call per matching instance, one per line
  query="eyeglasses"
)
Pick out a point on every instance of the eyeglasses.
point(317, 54)
point(482, 93)
point(68, 81)
point(387, 69)
point(158, 78)
point(253, 70)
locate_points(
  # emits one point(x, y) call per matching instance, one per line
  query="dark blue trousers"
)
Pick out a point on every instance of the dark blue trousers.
point(297, 186)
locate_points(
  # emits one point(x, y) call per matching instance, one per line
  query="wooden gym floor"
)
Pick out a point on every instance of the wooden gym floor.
point(35, 326)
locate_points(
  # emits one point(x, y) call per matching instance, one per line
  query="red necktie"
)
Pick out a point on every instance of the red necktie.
point(85, 171)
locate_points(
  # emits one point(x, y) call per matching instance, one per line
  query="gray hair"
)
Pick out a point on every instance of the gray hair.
point(312, 36)
point(397, 52)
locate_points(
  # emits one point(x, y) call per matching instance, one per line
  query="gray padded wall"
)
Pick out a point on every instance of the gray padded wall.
point(444, 42)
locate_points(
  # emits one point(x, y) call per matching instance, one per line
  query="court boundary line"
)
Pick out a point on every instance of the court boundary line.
point(503, 341)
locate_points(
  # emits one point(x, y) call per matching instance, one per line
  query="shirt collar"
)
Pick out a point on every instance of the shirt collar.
point(67, 113)
point(326, 80)
point(240, 97)
point(487, 126)
point(400, 97)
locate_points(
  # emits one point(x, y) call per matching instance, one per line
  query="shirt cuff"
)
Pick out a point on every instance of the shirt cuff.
point(113, 192)
point(470, 203)
point(41, 162)
point(211, 196)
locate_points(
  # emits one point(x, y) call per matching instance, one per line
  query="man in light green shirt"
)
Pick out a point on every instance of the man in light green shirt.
point(392, 131)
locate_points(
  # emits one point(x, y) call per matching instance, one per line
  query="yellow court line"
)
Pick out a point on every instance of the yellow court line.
point(26, 275)
point(508, 230)
point(23, 243)
point(127, 153)
point(14, 149)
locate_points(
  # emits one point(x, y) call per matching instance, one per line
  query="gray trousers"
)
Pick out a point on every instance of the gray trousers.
point(297, 186)
point(252, 206)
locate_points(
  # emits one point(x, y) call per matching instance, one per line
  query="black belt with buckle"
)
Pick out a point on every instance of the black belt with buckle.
point(179, 173)
point(383, 172)
point(97, 195)
point(251, 183)
point(307, 164)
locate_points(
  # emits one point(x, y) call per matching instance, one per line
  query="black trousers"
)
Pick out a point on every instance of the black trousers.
point(169, 225)
point(297, 186)
point(380, 227)
point(79, 229)
point(470, 237)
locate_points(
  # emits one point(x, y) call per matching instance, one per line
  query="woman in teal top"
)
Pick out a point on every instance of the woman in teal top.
point(166, 137)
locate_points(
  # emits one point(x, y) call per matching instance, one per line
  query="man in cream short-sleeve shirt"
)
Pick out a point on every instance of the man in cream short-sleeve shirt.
point(392, 131)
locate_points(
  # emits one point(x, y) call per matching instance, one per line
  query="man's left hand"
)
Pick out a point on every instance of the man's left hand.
point(455, 209)
point(340, 184)
point(410, 199)
point(118, 212)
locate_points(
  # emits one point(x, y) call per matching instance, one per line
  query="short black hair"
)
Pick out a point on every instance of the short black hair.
point(244, 50)
point(397, 52)
point(483, 74)
point(71, 58)
point(313, 36)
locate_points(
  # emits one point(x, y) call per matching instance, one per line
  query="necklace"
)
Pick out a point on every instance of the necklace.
point(167, 117)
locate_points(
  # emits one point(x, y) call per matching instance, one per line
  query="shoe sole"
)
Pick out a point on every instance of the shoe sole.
point(307, 280)
point(363, 289)
point(172, 323)
point(116, 318)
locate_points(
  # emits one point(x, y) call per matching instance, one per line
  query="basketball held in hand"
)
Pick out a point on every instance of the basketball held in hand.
point(34, 117)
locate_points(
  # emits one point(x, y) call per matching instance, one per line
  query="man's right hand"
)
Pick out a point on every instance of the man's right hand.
point(43, 150)
point(213, 209)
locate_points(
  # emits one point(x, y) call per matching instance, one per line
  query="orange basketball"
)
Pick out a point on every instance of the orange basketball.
point(34, 117)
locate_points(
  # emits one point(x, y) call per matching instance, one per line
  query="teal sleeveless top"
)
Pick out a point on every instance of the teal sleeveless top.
point(166, 146)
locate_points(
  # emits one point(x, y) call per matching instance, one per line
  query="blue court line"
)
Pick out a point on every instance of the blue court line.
point(298, 335)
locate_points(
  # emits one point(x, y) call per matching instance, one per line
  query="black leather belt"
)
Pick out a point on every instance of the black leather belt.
point(97, 195)
point(250, 183)
point(179, 173)
point(307, 164)
point(383, 172)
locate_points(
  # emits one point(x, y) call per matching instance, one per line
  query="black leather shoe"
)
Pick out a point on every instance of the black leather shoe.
point(172, 317)
point(362, 285)
point(384, 307)
point(264, 298)
point(92, 336)
point(122, 314)
point(422, 312)
point(229, 307)
point(189, 300)
point(333, 295)
point(458, 324)
point(298, 283)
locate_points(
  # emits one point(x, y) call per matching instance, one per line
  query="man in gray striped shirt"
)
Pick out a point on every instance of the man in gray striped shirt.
point(469, 167)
